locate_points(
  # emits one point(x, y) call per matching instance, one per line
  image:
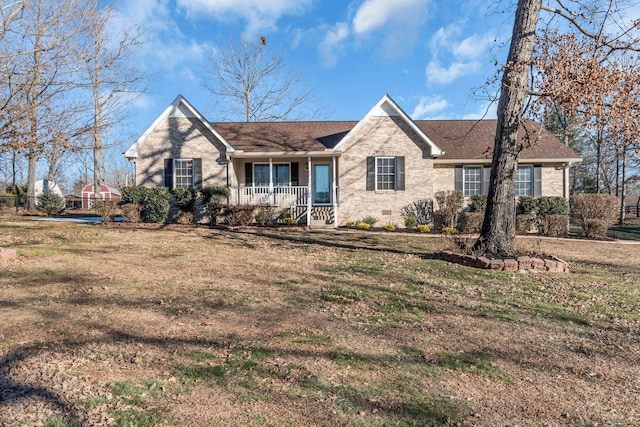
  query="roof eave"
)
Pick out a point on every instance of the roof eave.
point(523, 160)
point(239, 154)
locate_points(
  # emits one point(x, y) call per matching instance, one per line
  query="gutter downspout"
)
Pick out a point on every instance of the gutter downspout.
point(334, 190)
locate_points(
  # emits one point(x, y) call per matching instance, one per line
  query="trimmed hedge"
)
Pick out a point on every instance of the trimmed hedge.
point(156, 205)
point(539, 209)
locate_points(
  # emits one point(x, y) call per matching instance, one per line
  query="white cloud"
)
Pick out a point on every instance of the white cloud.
point(333, 43)
point(436, 73)
point(474, 46)
point(374, 14)
point(259, 14)
point(427, 106)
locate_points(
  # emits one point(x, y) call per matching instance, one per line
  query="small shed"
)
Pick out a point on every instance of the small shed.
point(106, 193)
point(72, 201)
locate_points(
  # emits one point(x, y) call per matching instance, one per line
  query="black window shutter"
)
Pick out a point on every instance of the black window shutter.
point(537, 181)
point(458, 178)
point(371, 173)
point(294, 173)
point(399, 173)
point(248, 174)
point(168, 173)
point(486, 179)
point(197, 174)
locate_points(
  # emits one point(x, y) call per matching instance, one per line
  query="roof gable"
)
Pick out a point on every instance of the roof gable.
point(387, 107)
point(180, 107)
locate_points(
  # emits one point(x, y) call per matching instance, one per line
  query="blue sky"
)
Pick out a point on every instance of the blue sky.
point(428, 55)
point(432, 56)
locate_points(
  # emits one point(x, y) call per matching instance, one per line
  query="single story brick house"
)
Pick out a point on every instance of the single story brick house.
point(331, 172)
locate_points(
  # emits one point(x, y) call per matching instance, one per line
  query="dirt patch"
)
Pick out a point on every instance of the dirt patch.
point(196, 326)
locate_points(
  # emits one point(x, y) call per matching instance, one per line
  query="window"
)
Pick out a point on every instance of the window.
point(524, 181)
point(281, 175)
point(183, 173)
point(472, 181)
point(385, 173)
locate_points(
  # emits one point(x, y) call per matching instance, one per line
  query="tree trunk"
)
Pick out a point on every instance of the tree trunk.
point(498, 229)
point(624, 177)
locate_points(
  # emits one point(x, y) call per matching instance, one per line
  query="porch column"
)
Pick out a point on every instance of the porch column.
point(309, 191)
point(334, 190)
point(271, 181)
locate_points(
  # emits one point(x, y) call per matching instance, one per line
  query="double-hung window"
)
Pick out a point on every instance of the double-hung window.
point(472, 180)
point(183, 173)
point(385, 173)
point(524, 181)
point(281, 174)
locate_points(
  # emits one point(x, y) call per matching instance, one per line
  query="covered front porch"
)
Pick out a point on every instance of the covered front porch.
point(307, 186)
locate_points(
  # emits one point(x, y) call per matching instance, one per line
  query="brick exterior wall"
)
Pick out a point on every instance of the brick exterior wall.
point(383, 137)
point(552, 180)
point(184, 138)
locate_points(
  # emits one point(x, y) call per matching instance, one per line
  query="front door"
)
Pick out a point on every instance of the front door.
point(321, 184)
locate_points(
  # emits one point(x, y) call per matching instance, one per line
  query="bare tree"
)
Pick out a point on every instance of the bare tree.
point(498, 230)
point(43, 70)
point(252, 83)
point(111, 77)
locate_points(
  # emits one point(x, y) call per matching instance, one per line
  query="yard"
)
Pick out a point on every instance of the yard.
point(110, 325)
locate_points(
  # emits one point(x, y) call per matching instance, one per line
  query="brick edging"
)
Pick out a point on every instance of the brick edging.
point(521, 263)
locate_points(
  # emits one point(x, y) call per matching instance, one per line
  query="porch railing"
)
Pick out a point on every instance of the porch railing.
point(276, 196)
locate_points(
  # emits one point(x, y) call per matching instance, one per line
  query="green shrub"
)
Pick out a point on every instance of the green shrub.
point(423, 228)
point(185, 198)
point(156, 205)
point(134, 194)
point(478, 203)
point(449, 205)
point(471, 222)
point(131, 211)
point(421, 211)
point(50, 203)
point(7, 201)
point(107, 209)
point(410, 221)
point(264, 215)
point(539, 208)
point(369, 219)
point(238, 215)
point(596, 213)
point(213, 200)
point(389, 227)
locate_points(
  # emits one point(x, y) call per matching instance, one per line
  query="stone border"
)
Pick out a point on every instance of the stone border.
point(521, 263)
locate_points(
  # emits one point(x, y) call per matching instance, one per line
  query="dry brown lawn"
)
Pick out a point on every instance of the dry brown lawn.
point(110, 325)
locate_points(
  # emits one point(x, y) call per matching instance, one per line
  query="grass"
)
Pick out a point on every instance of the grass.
point(336, 329)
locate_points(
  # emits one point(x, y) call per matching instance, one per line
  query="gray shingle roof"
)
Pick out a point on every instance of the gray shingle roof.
point(460, 139)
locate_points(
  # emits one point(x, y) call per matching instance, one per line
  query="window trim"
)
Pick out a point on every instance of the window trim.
point(175, 174)
point(531, 181)
point(393, 176)
point(273, 164)
point(464, 180)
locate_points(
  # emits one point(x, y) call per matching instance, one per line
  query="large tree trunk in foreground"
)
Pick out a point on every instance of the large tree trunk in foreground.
point(499, 226)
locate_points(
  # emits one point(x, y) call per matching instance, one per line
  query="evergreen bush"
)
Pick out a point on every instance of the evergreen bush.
point(156, 204)
point(50, 203)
